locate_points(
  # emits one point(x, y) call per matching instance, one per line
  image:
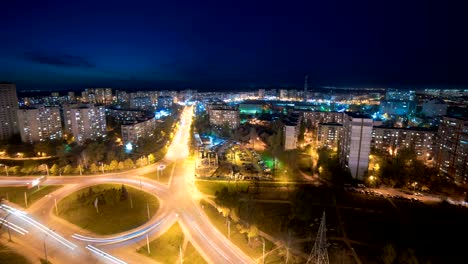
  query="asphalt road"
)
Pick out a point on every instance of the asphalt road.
point(70, 244)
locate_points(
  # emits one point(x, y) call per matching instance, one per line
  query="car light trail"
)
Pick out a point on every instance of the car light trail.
point(23, 216)
point(119, 239)
point(105, 255)
point(13, 227)
point(212, 245)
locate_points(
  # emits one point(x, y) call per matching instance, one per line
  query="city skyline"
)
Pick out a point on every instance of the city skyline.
point(212, 46)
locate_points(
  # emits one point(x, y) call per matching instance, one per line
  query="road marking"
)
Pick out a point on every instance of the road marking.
point(105, 255)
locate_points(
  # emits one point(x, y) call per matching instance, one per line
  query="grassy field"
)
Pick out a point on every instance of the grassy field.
point(210, 187)
point(237, 238)
point(165, 249)
point(78, 208)
point(164, 176)
point(16, 194)
point(11, 257)
point(192, 256)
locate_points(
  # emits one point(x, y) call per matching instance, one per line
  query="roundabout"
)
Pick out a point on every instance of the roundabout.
point(69, 243)
point(94, 207)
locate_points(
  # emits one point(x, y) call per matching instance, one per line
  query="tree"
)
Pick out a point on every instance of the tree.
point(93, 168)
point(389, 254)
point(129, 164)
point(68, 169)
point(302, 130)
point(123, 193)
point(234, 216)
point(121, 165)
point(114, 165)
point(253, 232)
point(54, 170)
point(151, 158)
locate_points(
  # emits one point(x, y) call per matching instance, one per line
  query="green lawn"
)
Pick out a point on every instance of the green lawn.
point(210, 187)
point(165, 249)
point(237, 238)
point(164, 176)
point(192, 256)
point(115, 214)
point(11, 257)
point(16, 194)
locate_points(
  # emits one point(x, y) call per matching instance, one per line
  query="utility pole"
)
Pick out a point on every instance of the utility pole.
point(79, 166)
point(8, 226)
point(47, 169)
point(229, 229)
point(263, 258)
point(147, 244)
point(181, 256)
point(319, 254)
point(45, 249)
point(25, 199)
point(147, 209)
point(6, 170)
point(56, 208)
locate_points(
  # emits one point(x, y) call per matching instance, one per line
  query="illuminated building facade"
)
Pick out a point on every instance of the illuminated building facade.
point(39, 124)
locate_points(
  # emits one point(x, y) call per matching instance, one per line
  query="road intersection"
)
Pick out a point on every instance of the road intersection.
point(66, 243)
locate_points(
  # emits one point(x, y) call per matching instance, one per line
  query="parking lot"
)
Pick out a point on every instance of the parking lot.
point(246, 163)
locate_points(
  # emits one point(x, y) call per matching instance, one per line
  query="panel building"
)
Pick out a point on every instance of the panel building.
point(398, 102)
point(132, 132)
point(39, 124)
point(224, 115)
point(143, 102)
point(165, 102)
point(8, 111)
point(355, 144)
point(313, 118)
point(88, 122)
point(328, 134)
point(435, 107)
point(390, 139)
point(452, 149)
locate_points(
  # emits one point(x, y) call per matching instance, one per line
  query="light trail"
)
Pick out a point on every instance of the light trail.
point(23, 216)
point(14, 227)
point(119, 239)
point(105, 255)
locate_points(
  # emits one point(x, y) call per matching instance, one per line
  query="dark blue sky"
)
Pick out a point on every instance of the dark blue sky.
point(229, 44)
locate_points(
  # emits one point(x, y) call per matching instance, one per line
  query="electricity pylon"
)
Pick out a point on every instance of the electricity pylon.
point(319, 254)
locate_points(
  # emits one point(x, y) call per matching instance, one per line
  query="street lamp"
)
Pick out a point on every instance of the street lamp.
point(6, 169)
point(45, 248)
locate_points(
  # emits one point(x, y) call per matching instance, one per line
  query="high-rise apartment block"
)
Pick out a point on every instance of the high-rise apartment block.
point(283, 94)
point(291, 131)
point(39, 124)
point(355, 143)
point(143, 102)
point(165, 102)
point(222, 115)
point(261, 93)
point(313, 118)
point(452, 149)
point(435, 107)
point(398, 102)
point(132, 132)
point(8, 109)
point(391, 139)
point(328, 134)
point(87, 122)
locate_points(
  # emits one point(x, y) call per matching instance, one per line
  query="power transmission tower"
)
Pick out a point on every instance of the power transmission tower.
point(319, 254)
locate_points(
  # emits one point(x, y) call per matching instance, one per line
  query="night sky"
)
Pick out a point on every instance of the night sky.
point(233, 44)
